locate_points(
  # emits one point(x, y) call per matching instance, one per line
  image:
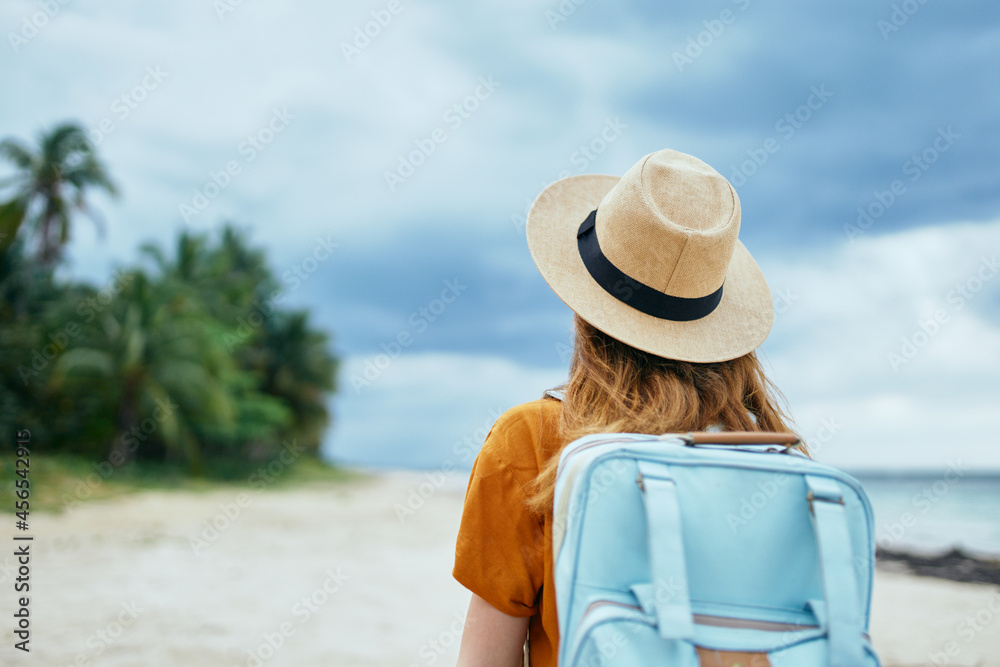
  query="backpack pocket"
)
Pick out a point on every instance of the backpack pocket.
point(815, 652)
point(613, 633)
point(616, 633)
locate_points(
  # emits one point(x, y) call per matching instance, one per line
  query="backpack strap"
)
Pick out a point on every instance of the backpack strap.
point(669, 589)
point(557, 394)
point(836, 559)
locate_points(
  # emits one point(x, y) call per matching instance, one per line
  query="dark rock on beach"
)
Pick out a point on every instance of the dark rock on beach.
point(954, 565)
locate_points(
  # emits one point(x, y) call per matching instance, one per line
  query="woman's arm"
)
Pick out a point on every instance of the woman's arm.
point(491, 637)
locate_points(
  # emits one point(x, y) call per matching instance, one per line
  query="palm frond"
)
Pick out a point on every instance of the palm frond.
point(18, 153)
point(155, 252)
point(62, 142)
point(176, 438)
point(63, 228)
point(15, 179)
point(12, 214)
point(93, 215)
point(81, 361)
point(90, 172)
point(53, 183)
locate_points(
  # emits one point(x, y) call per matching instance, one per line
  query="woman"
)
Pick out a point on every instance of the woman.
point(670, 307)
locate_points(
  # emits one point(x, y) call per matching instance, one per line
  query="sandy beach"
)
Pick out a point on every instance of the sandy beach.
point(332, 575)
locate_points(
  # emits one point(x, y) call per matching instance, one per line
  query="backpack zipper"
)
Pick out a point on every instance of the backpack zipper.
point(596, 443)
point(643, 438)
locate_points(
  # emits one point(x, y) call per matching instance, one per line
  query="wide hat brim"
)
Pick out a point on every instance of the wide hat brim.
point(737, 326)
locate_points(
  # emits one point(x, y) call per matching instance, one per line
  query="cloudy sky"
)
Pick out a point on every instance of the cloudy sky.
point(862, 137)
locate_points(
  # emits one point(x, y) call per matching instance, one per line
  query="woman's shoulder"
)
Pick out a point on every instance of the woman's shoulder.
point(525, 435)
point(541, 412)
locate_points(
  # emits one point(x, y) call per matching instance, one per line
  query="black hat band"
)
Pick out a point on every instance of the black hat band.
point(632, 292)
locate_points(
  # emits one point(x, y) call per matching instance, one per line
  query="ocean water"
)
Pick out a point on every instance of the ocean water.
point(933, 512)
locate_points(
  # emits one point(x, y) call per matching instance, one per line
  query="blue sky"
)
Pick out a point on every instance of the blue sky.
point(814, 112)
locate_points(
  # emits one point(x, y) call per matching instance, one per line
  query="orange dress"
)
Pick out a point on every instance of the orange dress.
point(504, 551)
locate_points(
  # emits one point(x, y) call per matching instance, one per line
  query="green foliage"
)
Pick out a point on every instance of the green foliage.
point(49, 185)
point(185, 358)
point(179, 362)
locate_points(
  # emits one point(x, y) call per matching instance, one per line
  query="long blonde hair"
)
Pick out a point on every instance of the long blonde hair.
point(613, 387)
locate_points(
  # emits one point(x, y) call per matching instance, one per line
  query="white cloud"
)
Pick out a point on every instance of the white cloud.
point(881, 338)
point(856, 302)
point(353, 119)
point(828, 353)
point(427, 409)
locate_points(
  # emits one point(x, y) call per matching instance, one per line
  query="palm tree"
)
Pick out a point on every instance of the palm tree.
point(227, 275)
point(290, 360)
point(297, 367)
point(179, 355)
point(154, 357)
point(50, 184)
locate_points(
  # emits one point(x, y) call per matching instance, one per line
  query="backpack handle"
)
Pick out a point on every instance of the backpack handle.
point(739, 438)
point(668, 595)
point(838, 571)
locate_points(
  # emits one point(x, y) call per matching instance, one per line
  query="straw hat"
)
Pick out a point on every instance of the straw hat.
point(652, 258)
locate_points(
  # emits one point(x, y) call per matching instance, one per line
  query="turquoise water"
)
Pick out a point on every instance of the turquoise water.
point(932, 512)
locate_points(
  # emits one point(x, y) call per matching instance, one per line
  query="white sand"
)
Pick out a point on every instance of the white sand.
point(118, 583)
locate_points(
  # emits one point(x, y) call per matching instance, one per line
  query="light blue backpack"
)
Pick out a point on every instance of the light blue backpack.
point(675, 548)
